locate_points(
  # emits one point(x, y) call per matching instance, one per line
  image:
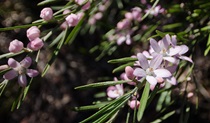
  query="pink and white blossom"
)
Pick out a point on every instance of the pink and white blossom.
point(150, 70)
point(20, 70)
point(115, 91)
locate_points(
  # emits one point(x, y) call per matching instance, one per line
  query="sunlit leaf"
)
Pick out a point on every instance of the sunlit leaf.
point(122, 60)
point(143, 101)
point(101, 84)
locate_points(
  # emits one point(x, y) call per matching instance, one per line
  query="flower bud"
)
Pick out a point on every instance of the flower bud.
point(129, 72)
point(86, 6)
point(125, 23)
point(46, 14)
point(15, 46)
point(129, 15)
point(72, 20)
point(134, 104)
point(33, 33)
point(35, 44)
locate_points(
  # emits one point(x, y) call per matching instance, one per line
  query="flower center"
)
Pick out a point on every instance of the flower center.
point(149, 71)
point(21, 70)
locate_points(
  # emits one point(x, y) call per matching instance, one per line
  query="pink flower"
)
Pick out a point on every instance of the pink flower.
point(20, 70)
point(115, 91)
point(134, 104)
point(72, 20)
point(46, 14)
point(35, 44)
point(15, 46)
point(33, 33)
point(150, 70)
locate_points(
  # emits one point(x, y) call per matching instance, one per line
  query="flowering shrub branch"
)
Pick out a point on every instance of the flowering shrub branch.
point(159, 43)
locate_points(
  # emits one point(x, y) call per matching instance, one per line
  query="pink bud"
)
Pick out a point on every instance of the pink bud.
point(35, 44)
point(46, 14)
point(129, 15)
point(64, 25)
point(86, 6)
point(98, 16)
point(129, 72)
point(80, 2)
point(66, 11)
point(136, 13)
point(134, 104)
point(15, 46)
point(33, 33)
point(3, 67)
point(125, 23)
point(72, 20)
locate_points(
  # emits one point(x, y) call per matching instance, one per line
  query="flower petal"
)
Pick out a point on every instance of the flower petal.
point(156, 61)
point(143, 61)
point(10, 75)
point(26, 62)
point(172, 80)
point(184, 49)
point(186, 58)
point(22, 81)
point(173, 40)
point(13, 63)
point(151, 80)
point(139, 72)
point(154, 45)
point(166, 41)
point(162, 73)
point(171, 59)
point(32, 72)
point(174, 50)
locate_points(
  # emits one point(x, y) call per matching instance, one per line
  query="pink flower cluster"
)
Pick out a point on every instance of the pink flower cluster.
point(156, 66)
point(99, 12)
point(33, 34)
point(124, 29)
point(117, 91)
point(159, 64)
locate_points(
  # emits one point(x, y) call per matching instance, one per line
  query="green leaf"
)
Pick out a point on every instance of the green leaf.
point(100, 84)
point(109, 107)
point(160, 120)
point(45, 2)
point(54, 55)
point(3, 86)
point(161, 34)
point(122, 60)
point(57, 39)
point(22, 26)
point(8, 55)
point(90, 107)
point(122, 67)
point(172, 26)
point(143, 101)
point(207, 46)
